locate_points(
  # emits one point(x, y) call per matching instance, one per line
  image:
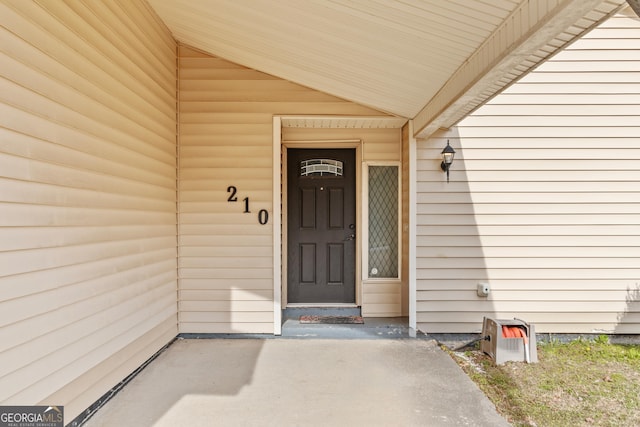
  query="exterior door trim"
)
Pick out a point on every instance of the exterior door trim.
point(353, 143)
point(276, 208)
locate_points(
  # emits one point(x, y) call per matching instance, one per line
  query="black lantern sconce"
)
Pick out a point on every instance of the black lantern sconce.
point(448, 153)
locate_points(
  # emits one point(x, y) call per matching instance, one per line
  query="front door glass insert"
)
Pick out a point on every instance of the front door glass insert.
point(321, 167)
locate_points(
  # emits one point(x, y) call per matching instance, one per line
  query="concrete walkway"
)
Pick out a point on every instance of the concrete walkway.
point(300, 382)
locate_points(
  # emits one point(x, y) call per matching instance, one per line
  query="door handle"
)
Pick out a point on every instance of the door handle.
point(352, 236)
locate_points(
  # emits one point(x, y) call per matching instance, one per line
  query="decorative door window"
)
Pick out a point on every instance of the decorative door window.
point(321, 167)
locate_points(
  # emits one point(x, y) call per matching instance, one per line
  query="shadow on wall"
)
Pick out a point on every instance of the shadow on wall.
point(451, 253)
point(629, 320)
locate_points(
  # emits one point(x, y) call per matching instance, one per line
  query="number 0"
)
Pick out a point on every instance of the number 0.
point(263, 216)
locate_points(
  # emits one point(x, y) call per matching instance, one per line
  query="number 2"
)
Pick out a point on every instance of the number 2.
point(232, 196)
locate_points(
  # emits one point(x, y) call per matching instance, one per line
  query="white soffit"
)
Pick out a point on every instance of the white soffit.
point(433, 61)
point(340, 122)
point(386, 54)
point(528, 43)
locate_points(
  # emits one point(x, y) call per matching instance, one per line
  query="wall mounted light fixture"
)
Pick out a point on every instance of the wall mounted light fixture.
point(448, 153)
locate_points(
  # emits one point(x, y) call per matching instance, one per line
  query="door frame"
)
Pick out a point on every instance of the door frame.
point(355, 144)
point(352, 146)
point(342, 122)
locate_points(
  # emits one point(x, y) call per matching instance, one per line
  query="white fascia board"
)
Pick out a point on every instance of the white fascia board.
point(508, 54)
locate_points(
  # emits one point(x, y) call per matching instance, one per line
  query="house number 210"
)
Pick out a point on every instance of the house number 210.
point(263, 215)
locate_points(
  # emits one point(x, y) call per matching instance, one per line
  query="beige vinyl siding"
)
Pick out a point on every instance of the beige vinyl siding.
point(544, 198)
point(378, 145)
point(87, 198)
point(226, 256)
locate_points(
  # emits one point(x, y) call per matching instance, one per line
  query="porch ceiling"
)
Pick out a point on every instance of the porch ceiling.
point(432, 61)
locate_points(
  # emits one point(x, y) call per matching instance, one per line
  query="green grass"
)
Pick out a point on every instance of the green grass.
point(582, 383)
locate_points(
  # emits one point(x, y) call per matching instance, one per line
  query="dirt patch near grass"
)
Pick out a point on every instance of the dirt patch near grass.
point(582, 383)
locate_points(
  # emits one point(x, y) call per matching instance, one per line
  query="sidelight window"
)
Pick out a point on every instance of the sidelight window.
point(383, 221)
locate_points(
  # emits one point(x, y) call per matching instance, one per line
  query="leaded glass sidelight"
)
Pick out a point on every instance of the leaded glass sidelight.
point(383, 221)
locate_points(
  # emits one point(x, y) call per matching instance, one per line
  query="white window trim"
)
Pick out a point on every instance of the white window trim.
point(365, 221)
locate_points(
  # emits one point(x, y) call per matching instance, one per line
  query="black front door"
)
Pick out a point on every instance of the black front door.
point(321, 225)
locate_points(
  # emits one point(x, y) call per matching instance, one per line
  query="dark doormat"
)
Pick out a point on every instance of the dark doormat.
point(332, 319)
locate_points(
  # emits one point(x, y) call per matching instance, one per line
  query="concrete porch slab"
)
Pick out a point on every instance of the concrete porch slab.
point(298, 382)
point(372, 328)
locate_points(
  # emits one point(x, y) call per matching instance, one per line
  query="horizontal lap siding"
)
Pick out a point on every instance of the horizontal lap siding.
point(87, 198)
point(544, 199)
point(226, 255)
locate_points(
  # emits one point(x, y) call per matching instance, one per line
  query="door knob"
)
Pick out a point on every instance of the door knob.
point(352, 236)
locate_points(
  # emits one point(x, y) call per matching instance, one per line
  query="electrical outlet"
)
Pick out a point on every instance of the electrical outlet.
point(483, 289)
